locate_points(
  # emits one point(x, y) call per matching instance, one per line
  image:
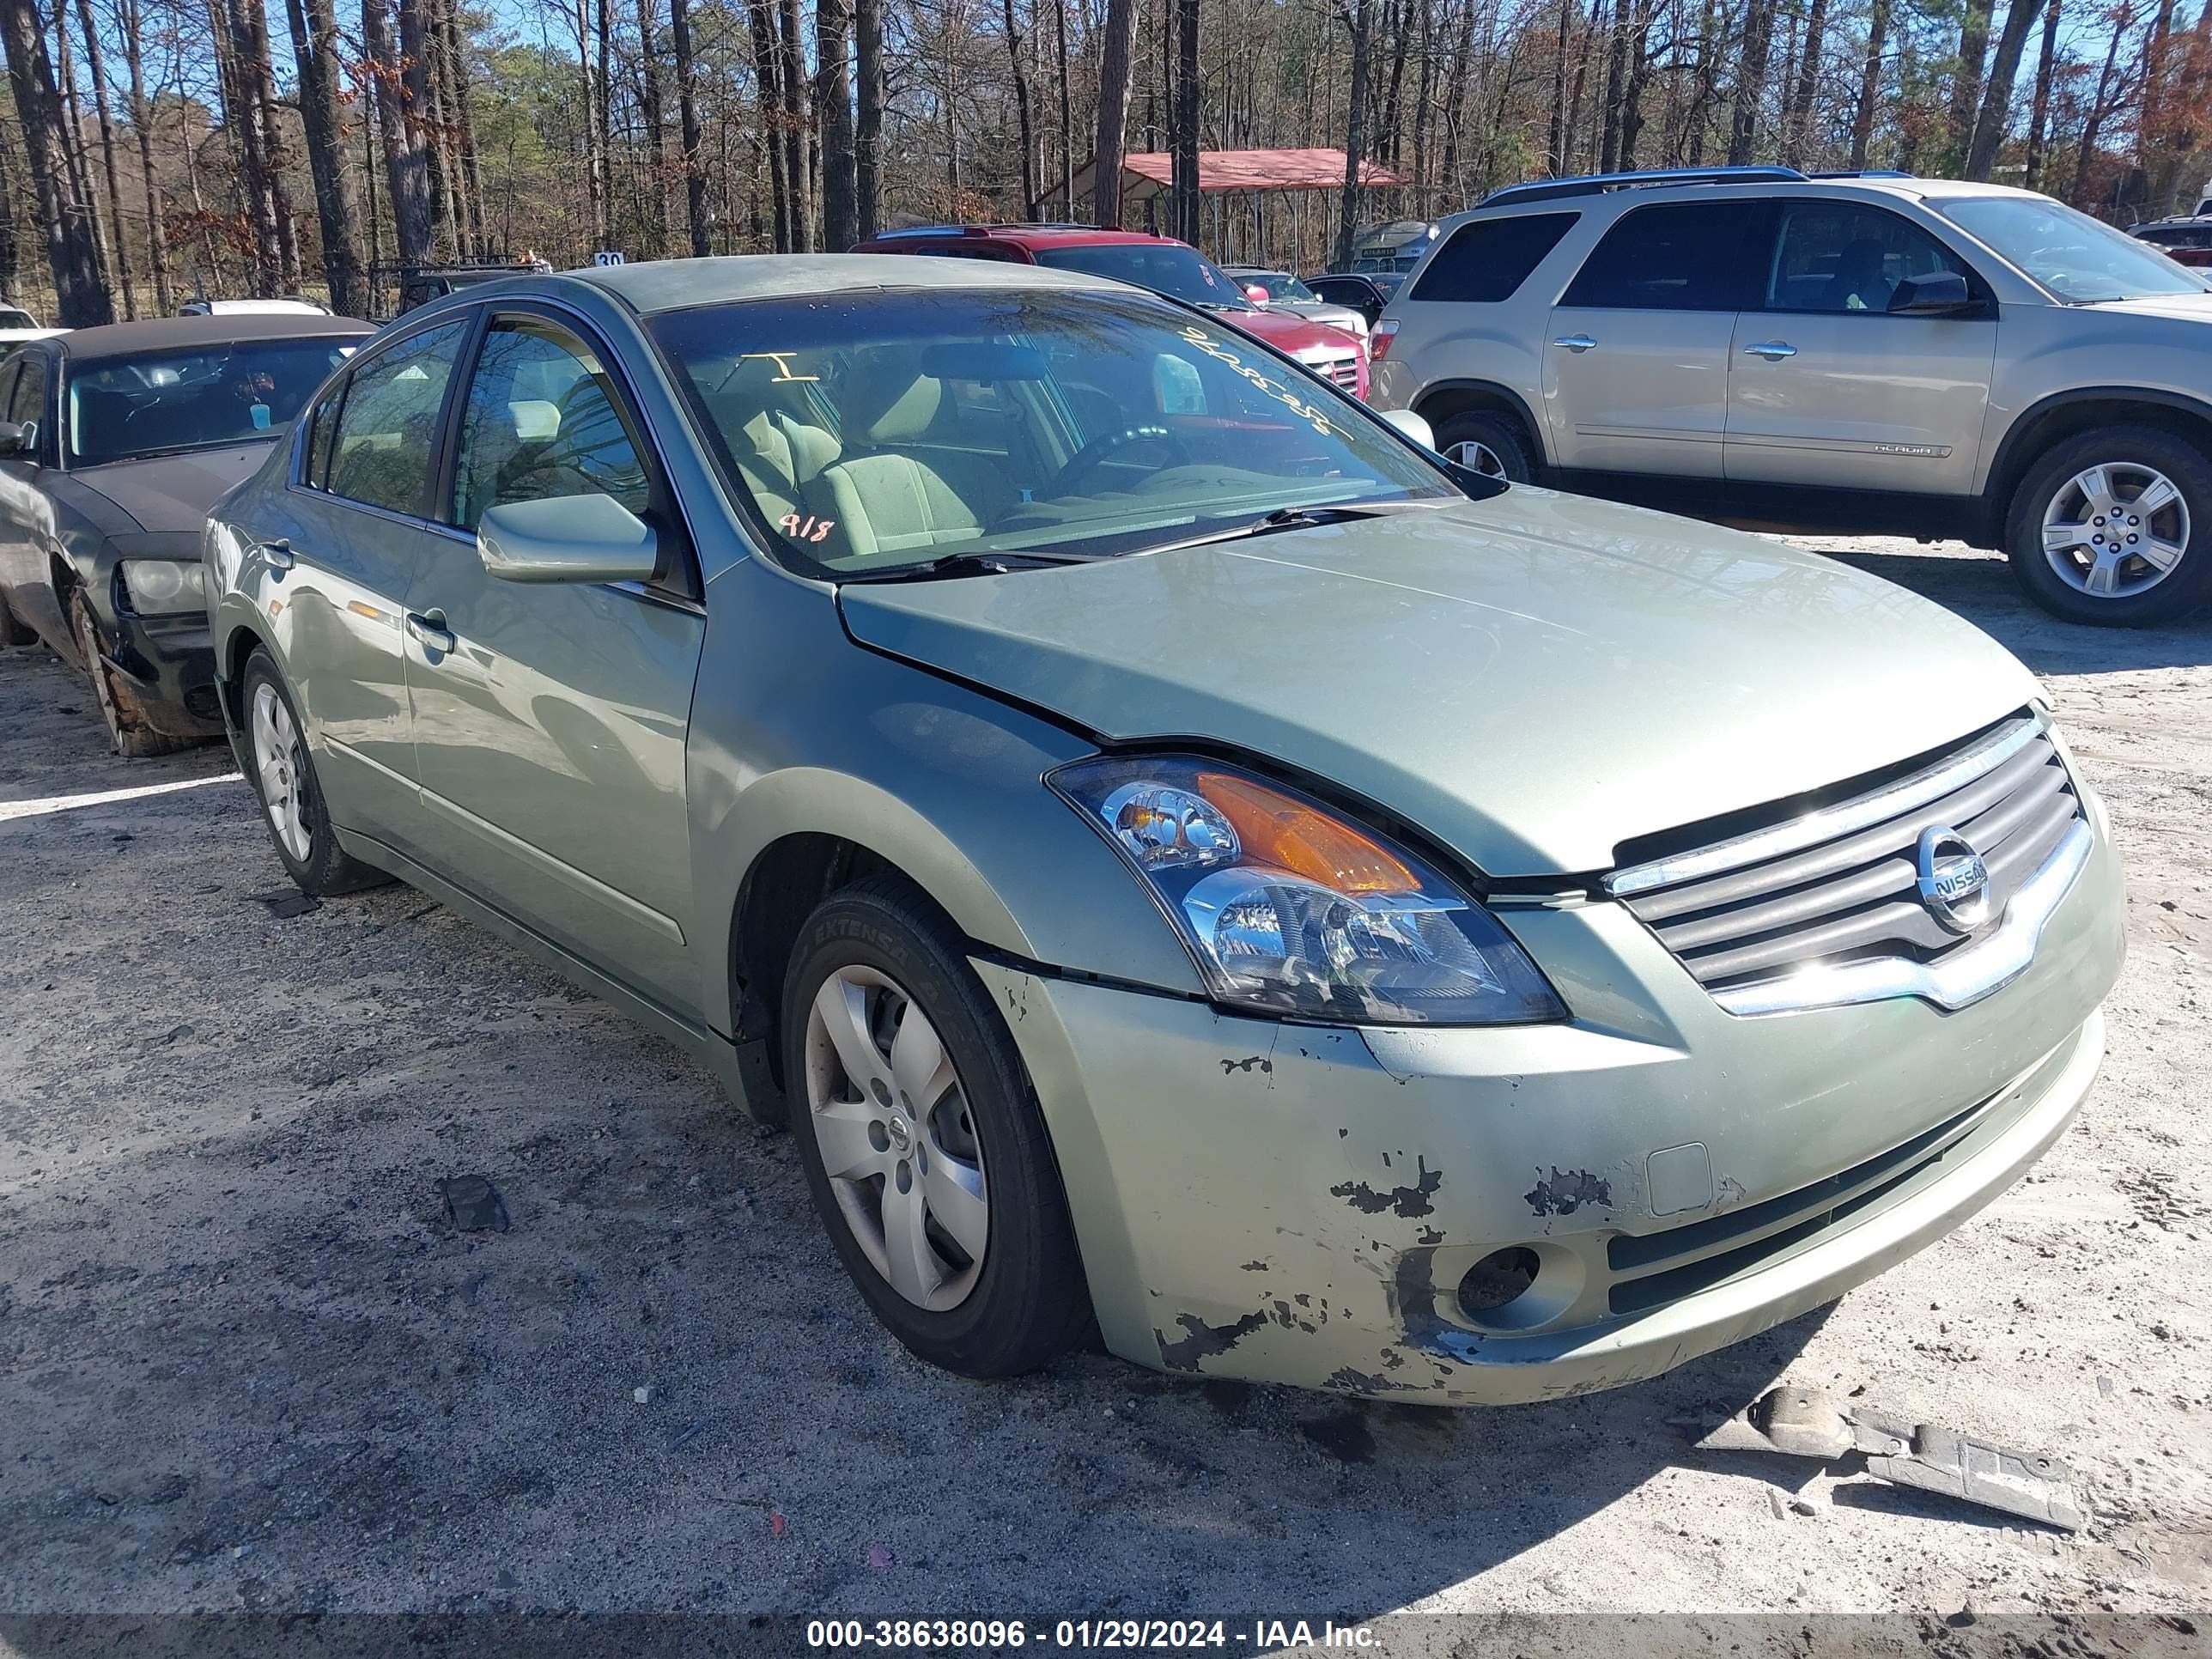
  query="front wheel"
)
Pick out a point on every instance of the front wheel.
point(922, 1138)
point(1492, 444)
point(2113, 527)
point(128, 734)
point(291, 797)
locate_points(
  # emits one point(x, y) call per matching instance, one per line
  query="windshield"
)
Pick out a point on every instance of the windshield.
point(2077, 257)
point(166, 401)
point(11, 317)
point(1280, 285)
point(1167, 268)
point(877, 432)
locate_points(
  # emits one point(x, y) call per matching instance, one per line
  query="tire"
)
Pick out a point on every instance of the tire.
point(298, 822)
point(2136, 462)
point(1496, 439)
point(128, 734)
point(868, 960)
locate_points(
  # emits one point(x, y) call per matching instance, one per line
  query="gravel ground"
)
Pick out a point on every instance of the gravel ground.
point(245, 1364)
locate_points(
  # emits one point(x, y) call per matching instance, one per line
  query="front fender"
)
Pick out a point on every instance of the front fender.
point(796, 730)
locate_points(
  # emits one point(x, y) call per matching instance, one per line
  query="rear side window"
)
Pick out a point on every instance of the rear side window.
point(1685, 256)
point(1487, 260)
point(387, 428)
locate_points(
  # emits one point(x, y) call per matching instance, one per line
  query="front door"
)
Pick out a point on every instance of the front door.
point(1636, 361)
point(28, 531)
point(550, 718)
point(1828, 389)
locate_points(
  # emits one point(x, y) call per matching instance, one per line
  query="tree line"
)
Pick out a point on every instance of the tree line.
point(157, 150)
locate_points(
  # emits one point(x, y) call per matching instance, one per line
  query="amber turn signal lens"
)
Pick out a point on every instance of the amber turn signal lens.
point(1276, 829)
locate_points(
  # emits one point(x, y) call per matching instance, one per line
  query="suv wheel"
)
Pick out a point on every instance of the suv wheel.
point(1491, 445)
point(921, 1138)
point(2114, 527)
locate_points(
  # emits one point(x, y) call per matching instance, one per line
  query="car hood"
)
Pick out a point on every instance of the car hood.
point(172, 492)
point(1329, 315)
point(1532, 680)
point(1290, 334)
point(2179, 308)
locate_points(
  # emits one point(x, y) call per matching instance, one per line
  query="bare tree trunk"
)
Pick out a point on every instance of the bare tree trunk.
point(2099, 107)
point(697, 217)
point(95, 64)
point(1183, 137)
point(2039, 120)
point(1869, 84)
point(1797, 127)
point(406, 167)
point(833, 102)
point(1355, 17)
point(1996, 97)
point(314, 45)
point(768, 76)
point(868, 128)
point(1067, 112)
point(1116, 73)
point(1639, 77)
point(257, 90)
point(1966, 84)
point(597, 183)
point(1750, 81)
point(1555, 148)
point(462, 138)
point(80, 165)
point(142, 125)
point(1699, 116)
point(655, 205)
point(1022, 113)
point(797, 127)
point(71, 254)
point(1616, 83)
point(11, 246)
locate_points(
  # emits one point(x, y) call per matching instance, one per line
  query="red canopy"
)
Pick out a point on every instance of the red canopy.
point(1222, 171)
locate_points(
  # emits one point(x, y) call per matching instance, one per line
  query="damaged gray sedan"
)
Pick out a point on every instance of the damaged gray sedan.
point(1175, 853)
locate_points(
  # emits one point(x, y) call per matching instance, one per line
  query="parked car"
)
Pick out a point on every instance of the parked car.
point(1862, 354)
point(1158, 263)
point(2184, 241)
point(1278, 290)
point(1170, 847)
point(290, 306)
point(115, 441)
point(1365, 291)
point(1392, 248)
point(420, 283)
point(17, 325)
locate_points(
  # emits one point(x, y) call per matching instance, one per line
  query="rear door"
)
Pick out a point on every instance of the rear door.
point(337, 554)
point(550, 719)
point(1636, 361)
point(1829, 390)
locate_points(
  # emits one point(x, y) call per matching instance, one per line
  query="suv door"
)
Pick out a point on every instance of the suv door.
point(551, 717)
point(1636, 367)
point(1830, 389)
point(340, 546)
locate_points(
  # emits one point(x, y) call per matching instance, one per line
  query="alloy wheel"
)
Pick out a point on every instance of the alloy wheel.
point(278, 763)
point(897, 1141)
point(2116, 529)
point(1477, 457)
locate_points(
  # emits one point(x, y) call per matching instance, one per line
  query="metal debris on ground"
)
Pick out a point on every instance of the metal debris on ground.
point(473, 1204)
point(1813, 1423)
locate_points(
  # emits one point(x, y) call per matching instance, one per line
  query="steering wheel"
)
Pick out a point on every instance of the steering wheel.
point(1087, 458)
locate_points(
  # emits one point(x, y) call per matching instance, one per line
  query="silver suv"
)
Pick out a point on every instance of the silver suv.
point(1864, 353)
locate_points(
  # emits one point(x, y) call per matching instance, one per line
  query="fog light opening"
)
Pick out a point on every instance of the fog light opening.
point(1502, 1277)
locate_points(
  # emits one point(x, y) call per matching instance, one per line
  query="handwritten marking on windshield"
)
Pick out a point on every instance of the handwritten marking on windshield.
point(810, 529)
point(780, 359)
point(1275, 389)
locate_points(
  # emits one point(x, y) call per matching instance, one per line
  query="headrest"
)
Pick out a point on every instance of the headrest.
point(536, 420)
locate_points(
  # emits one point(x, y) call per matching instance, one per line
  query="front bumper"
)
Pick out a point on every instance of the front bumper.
point(165, 666)
point(1301, 1204)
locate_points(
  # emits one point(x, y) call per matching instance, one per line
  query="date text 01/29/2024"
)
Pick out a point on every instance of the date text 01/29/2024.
point(1261, 1636)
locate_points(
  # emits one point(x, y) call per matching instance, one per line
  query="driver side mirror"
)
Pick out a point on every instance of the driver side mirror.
point(566, 538)
point(1939, 293)
point(1409, 425)
point(16, 440)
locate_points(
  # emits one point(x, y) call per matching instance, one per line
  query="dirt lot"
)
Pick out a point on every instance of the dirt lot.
point(244, 1363)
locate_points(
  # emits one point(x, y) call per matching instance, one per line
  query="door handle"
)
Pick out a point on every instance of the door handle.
point(1575, 342)
point(430, 631)
point(1773, 350)
point(278, 554)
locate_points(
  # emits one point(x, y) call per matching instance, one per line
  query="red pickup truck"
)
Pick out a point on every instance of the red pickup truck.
point(1159, 262)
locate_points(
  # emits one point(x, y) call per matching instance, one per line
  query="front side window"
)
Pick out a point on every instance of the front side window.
point(27, 398)
point(164, 403)
point(2078, 259)
point(541, 421)
point(877, 431)
point(1848, 257)
point(1486, 260)
point(1169, 268)
point(387, 427)
point(1684, 256)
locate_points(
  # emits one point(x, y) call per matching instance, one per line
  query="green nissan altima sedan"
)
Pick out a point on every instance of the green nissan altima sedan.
point(1177, 856)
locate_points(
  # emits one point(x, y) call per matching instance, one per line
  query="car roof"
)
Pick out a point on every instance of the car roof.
point(174, 333)
point(653, 285)
point(1027, 236)
point(1627, 190)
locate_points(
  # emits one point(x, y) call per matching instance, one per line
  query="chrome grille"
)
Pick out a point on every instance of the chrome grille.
point(1343, 369)
point(1839, 883)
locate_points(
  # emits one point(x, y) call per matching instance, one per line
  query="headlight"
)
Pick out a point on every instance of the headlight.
point(159, 587)
point(1290, 910)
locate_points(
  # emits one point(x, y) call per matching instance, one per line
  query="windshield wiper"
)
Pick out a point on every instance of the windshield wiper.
point(973, 564)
